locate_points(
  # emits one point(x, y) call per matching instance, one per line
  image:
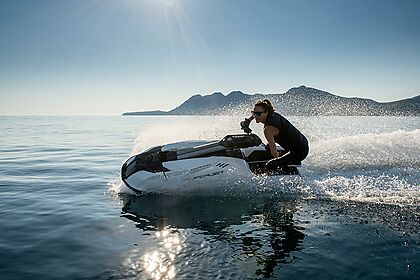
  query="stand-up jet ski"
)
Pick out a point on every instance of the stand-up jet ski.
point(195, 162)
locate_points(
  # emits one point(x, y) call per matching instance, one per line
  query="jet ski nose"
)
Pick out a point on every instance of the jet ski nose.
point(148, 158)
point(124, 171)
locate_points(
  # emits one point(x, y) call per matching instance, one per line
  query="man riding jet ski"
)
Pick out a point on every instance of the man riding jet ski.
point(235, 157)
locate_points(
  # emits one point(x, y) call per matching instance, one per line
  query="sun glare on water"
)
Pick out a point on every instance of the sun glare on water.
point(159, 261)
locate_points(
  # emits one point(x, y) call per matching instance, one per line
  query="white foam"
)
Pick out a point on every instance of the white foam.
point(376, 188)
point(117, 186)
point(395, 149)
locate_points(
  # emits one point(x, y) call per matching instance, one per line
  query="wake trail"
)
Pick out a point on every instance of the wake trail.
point(373, 168)
point(387, 150)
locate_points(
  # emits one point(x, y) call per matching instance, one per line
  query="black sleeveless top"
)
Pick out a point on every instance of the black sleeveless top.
point(290, 138)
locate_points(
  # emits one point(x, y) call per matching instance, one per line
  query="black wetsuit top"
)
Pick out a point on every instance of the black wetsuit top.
point(290, 138)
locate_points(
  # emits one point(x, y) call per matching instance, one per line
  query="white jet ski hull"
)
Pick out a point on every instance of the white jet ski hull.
point(187, 167)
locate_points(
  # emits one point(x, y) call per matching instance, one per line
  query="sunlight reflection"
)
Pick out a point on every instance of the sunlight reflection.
point(159, 264)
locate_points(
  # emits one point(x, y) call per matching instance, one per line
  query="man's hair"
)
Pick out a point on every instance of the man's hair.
point(266, 105)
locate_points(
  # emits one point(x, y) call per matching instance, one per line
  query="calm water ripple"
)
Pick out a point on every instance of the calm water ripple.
point(65, 214)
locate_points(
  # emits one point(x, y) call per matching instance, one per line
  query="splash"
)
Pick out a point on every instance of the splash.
point(183, 128)
point(375, 187)
point(373, 167)
point(117, 186)
point(377, 168)
point(361, 152)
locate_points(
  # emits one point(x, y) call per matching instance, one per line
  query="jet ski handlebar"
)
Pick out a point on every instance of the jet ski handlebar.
point(245, 125)
point(240, 141)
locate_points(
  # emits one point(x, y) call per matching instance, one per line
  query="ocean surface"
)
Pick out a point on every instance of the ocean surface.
point(354, 214)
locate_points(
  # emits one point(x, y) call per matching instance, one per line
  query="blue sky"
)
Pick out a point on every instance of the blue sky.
point(106, 57)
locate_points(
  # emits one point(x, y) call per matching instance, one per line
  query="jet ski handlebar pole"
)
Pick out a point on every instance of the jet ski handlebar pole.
point(245, 125)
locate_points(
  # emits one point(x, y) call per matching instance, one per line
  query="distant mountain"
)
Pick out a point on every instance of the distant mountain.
point(296, 101)
point(147, 113)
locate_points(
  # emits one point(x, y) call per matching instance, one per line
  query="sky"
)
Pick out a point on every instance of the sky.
point(103, 57)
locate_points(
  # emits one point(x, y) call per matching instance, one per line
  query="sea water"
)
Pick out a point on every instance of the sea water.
point(354, 214)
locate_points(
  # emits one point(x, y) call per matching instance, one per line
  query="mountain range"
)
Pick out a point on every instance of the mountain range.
point(303, 101)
